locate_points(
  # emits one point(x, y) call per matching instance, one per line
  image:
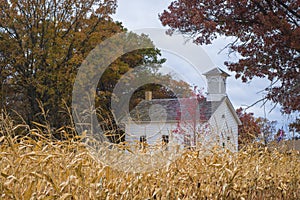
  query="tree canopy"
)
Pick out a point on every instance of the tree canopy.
point(267, 36)
point(43, 44)
point(255, 129)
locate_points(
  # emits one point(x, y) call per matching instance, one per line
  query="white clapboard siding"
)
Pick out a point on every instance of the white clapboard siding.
point(223, 127)
point(232, 129)
point(153, 131)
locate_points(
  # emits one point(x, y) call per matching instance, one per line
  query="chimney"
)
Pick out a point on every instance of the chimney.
point(148, 95)
point(216, 84)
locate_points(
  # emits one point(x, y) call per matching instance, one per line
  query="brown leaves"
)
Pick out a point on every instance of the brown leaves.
point(267, 34)
point(42, 45)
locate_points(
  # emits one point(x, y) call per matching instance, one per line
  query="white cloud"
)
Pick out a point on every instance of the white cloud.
point(137, 14)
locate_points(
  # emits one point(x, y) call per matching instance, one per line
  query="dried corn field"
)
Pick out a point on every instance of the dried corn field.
point(34, 166)
point(41, 169)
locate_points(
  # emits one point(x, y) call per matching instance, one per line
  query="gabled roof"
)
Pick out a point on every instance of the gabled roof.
point(230, 106)
point(174, 109)
point(216, 71)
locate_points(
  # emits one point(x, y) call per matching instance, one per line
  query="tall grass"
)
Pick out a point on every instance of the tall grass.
point(36, 167)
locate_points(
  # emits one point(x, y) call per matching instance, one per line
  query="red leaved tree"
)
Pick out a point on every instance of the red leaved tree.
point(267, 36)
point(250, 128)
point(254, 129)
point(191, 118)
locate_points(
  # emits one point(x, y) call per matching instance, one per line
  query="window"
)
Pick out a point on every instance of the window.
point(143, 142)
point(143, 138)
point(165, 139)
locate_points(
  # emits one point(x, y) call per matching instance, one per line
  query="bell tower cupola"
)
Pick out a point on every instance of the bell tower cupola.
point(216, 84)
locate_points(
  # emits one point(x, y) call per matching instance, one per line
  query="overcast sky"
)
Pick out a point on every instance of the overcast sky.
point(181, 56)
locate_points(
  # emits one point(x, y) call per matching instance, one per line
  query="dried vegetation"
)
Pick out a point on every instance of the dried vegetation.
point(42, 168)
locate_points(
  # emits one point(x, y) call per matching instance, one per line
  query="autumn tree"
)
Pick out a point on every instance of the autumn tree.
point(250, 128)
point(148, 59)
point(254, 128)
point(191, 118)
point(266, 35)
point(42, 46)
point(295, 126)
point(268, 129)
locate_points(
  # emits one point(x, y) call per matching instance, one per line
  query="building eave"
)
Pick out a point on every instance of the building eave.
point(216, 71)
point(233, 111)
